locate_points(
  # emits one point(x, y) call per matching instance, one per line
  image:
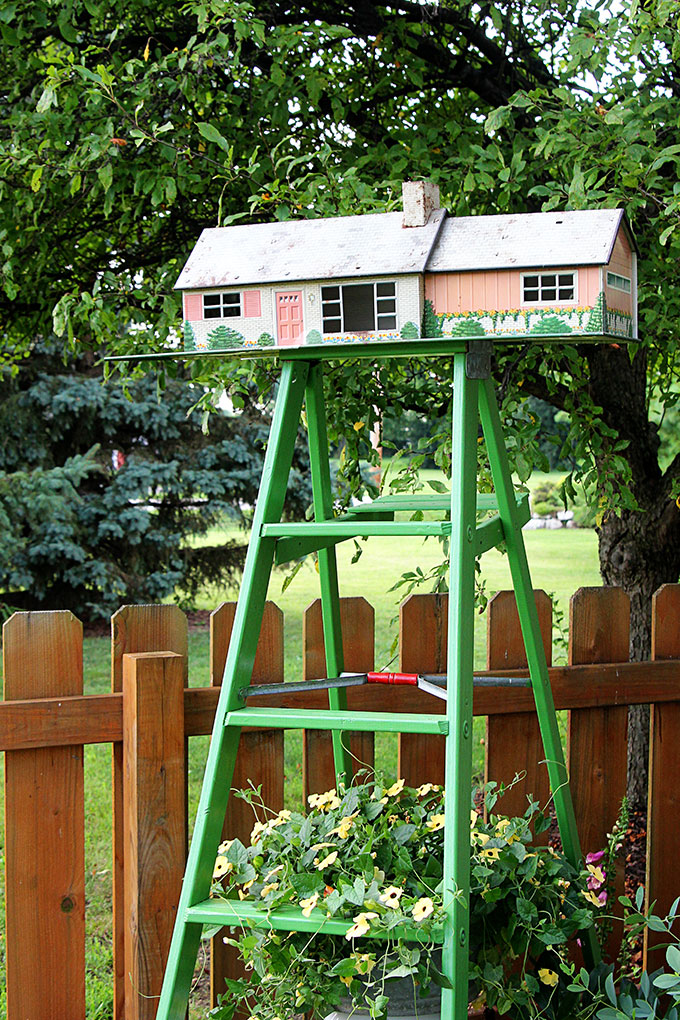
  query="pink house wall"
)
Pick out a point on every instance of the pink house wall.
point(621, 262)
point(498, 290)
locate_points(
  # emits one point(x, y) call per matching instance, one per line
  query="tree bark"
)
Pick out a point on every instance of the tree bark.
point(639, 550)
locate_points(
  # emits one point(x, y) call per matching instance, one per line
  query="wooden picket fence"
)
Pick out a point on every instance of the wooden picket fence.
point(45, 720)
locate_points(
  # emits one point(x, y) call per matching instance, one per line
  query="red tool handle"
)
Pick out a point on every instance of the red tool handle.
point(393, 678)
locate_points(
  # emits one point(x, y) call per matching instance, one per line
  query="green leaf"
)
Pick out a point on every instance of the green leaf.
point(36, 178)
point(105, 175)
point(211, 134)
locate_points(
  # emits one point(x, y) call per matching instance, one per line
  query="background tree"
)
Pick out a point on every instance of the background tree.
point(103, 493)
point(126, 130)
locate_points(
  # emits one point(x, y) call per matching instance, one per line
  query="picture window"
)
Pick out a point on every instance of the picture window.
point(225, 305)
point(359, 307)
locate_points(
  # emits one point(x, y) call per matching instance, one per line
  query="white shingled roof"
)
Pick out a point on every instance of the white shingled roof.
point(526, 240)
point(332, 248)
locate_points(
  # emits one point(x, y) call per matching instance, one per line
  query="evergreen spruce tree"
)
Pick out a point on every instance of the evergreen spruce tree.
point(101, 494)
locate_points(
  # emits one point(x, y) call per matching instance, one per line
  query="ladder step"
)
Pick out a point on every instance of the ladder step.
point(298, 539)
point(340, 527)
point(411, 501)
point(234, 913)
point(328, 719)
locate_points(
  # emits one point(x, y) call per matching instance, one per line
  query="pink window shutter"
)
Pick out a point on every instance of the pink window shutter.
point(193, 307)
point(252, 304)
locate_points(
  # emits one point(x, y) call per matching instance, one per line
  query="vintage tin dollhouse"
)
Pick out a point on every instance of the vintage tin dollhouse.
point(420, 273)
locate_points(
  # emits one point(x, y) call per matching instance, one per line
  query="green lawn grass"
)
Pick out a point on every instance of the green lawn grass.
point(560, 562)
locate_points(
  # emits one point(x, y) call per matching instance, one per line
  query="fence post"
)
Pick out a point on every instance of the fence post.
point(513, 741)
point(134, 629)
point(154, 831)
point(44, 830)
point(357, 618)
point(422, 649)
point(597, 738)
point(664, 767)
point(260, 756)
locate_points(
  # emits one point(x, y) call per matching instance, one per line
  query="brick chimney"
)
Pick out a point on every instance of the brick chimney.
point(420, 198)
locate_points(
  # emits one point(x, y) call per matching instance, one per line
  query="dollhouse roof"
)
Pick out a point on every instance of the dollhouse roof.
point(324, 249)
point(377, 244)
point(526, 240)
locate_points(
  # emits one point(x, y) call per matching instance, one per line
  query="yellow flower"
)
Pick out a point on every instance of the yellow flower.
point(423, 790)
point(347, 980)
point(309, 904)
point(491, 853)
point(474, 816)
point(396, 788)
point(481, 837)
point(362, 924)
point(281, 818)
point(324, 801)
point(266, 889)
point(327, 861)
point(223, 847)
point(592, 898)
point(423, 908)
point(597, 873)
point(435, 822)
point(344, 826)
point(391, 896)
point(364, 962)
point(258, 828)
point(222, 867)
point(320, 846)
point(548, 977)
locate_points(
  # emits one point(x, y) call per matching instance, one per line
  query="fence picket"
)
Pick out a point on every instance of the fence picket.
point(154, 820)
point(664, 769)
point(422, 649)
point(260, 755)
point(514, 745)
point(44, 830)
point(358, 626)
point(134, 629)
point(597, 745)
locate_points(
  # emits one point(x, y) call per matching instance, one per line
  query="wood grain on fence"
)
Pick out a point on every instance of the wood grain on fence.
point(597, 742)
point(260, 755)
point(664, 768)
point(358, 627)
point(134, 629)
point(423, 625)
point(45, 720)
point(154, 830)
point(513, 744)
point(44, 830)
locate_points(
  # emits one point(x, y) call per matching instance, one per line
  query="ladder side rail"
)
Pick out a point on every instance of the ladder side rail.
point(528, 617)
point(460, 663)
point(328, 568)
point(237, 671)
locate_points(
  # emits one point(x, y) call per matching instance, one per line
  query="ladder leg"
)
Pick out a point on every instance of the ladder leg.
point(237, 672)
point(328, 569)
point(526, 607)
point(460, 665)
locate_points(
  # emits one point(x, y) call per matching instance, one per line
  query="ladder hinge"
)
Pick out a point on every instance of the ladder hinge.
point(478, 359)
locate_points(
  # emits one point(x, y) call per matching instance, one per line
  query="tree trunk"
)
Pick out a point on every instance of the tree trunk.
point(640, 549)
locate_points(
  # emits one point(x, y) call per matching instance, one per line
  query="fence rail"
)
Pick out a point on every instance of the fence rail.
point(45, 720)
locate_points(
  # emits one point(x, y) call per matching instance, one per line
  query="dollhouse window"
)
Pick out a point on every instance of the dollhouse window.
point(547, 288)
point(221, 306)
point(619, 282)
point(359, 307)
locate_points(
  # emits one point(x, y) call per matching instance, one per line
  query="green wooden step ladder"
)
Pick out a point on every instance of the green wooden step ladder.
point(273, 541)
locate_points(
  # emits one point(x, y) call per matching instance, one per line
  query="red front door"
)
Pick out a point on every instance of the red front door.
point(289, 317)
